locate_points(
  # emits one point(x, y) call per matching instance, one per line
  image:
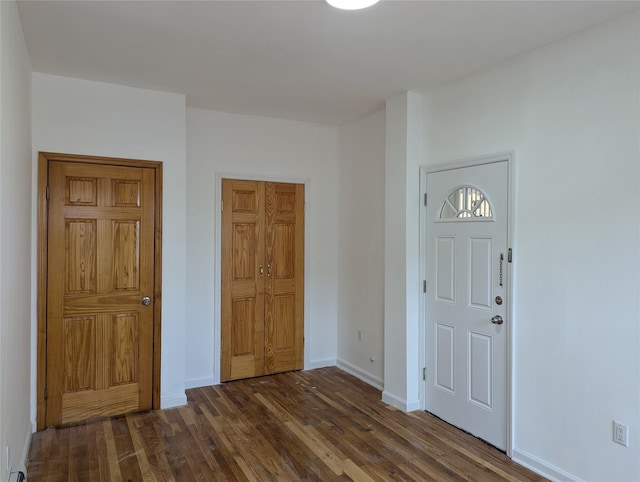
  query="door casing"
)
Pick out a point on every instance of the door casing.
point(217, 322)
point(42, 229)
point(510, 158)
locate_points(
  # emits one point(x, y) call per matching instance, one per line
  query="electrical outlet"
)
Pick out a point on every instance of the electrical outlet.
point(17, 477)
point(620, 433)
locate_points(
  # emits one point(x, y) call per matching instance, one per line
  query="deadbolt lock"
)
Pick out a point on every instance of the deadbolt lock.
point(498, 300)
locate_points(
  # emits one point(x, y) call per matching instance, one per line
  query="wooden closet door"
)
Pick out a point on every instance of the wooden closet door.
point(284, 284)
point(242, 279)
point(262, 278)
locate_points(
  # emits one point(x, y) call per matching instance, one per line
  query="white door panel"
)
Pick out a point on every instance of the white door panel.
point(445, 340)
point(467, 222)
point(445, 268)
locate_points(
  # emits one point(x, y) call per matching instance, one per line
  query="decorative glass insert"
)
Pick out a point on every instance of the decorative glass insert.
point(466, 202)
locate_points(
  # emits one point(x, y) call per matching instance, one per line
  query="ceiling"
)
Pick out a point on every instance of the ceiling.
point(295, 59)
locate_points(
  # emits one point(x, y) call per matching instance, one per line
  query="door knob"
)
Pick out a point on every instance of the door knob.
point(146, 301)
point(497, 320)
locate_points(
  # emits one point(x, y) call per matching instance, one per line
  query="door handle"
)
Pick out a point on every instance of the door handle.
point(497, 320)
point(146, 301)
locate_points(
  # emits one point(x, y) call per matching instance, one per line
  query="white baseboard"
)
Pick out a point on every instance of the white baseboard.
point(400, 403)
point(208, 381)
point(199, 382)
point(172, 402)
point(413, 405)
point(327, 362)
point(542, 467)
point(363, 375)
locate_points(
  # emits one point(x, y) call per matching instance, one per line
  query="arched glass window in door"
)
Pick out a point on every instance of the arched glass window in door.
point(466, 203)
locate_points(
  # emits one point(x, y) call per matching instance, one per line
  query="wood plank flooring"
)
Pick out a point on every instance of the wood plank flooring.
point(313, 425)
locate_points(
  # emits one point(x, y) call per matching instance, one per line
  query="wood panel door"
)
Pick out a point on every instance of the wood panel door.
point(242, 279)
point(262, 278)
point(100, 268)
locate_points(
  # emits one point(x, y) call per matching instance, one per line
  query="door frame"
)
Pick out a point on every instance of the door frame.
point(217, 294)
point(510, 158)
point(44, 158)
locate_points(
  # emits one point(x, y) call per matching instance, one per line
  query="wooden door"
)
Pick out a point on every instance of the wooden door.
point(284, 284)
point(262, 278)
point(467, 227)
point(99, 333)
point(242, 279)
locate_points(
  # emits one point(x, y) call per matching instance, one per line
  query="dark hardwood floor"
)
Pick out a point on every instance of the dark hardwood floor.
point(313, 425)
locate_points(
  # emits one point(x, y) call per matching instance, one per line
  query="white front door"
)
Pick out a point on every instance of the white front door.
point(466, 303)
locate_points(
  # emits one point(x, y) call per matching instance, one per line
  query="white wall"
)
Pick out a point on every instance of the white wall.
point(572, 113)
point(82, 117)
point(361, 251)
point(403, 157)
point(231, 144)
point(15, 241)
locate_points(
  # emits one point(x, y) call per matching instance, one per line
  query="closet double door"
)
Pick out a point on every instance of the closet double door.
point(262, 278)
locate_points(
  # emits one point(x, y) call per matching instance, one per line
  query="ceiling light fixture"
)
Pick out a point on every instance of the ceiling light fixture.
point(352, 4)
